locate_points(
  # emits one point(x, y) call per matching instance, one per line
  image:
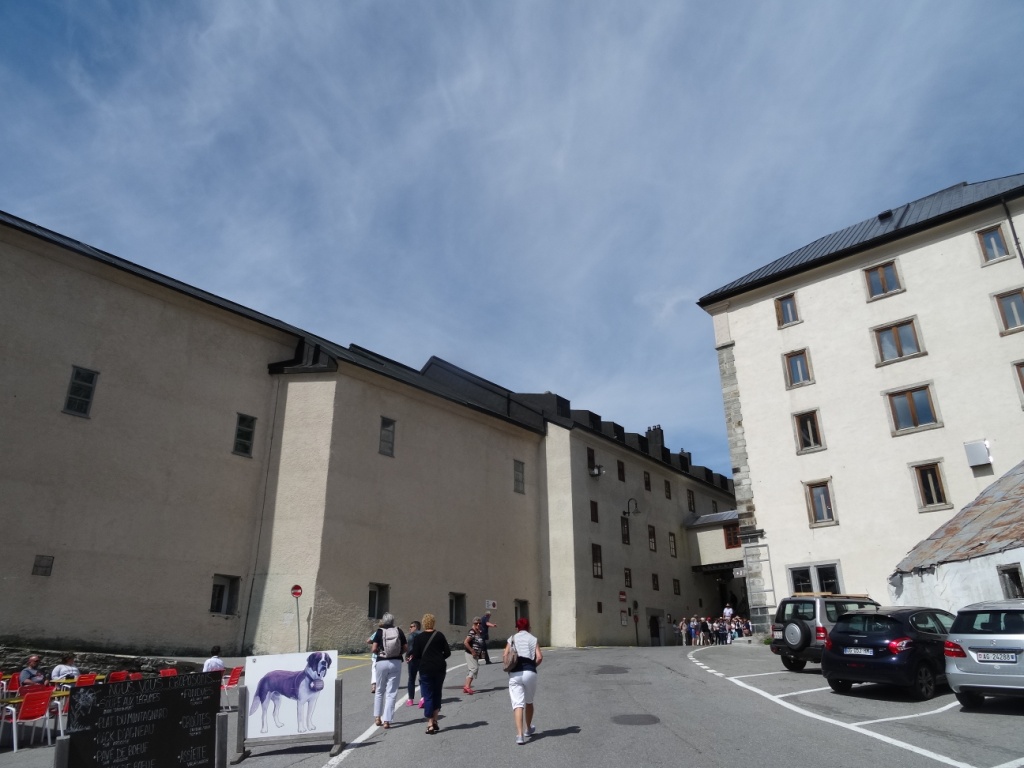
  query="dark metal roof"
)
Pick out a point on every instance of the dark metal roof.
point(715, 518)
point(993, 522)
point(909, 218)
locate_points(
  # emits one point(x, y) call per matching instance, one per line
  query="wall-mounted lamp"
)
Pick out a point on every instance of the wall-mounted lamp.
point(632, 508)
point(596, 471)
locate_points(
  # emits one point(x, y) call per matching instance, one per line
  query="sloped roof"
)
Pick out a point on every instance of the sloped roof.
point(893, 224)
point(714, 518)
point(993, 522)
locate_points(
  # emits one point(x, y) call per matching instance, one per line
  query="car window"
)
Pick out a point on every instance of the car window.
point(923, 622)
point(945, 621)
point(867, 624)
point(834, 610)
point(798, 609)
point(989, 622)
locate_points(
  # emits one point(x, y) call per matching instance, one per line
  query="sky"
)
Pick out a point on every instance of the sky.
point(536, 191)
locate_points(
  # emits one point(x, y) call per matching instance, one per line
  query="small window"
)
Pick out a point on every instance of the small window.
point(1010, 581)
point(1018, 369)
point(714, 506)
point(600, 608)
point(387, 437)
point(625, 530)
point(672, 545)
point(80, 391)
point(591, 460)
point(456, 609)
point(522, 609)
point(882, 280)
point(519, 476)
point(224, 597)
point(380, 596)
point(652, 540)
point(898, 341)
point(691, 501)
point(622, 471)
point(1011, 310)
point(930, 491)
point(785, 310)
point(675, 587)
point(798, 371)
point(42, 565)
point(912, 408)
point(828, 579)
point(628, 574)
point(668, 489)
point(647, 481)
point(654, 582)
point(595, 557)
point(593, 511)
point(732, 535)
point(819, 503)
point(801, 578)
point(245, 434)
point(993, 245)
point(808, 432)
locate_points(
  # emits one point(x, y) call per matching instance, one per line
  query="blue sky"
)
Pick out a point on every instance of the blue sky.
point(538, 192)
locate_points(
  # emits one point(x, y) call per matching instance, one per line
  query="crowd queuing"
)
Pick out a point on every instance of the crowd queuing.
point(707, 630)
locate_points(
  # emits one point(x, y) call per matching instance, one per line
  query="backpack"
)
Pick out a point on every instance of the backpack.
point(391, 644)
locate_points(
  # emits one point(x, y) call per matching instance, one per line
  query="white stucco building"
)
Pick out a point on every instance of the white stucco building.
point(873, 383)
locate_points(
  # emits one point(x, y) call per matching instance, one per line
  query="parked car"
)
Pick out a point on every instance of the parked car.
point(901, 646)
point(802, 623)
point(984, 651)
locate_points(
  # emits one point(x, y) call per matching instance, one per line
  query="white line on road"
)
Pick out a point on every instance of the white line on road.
point(907, 717)
point(798, 693)
point(762, 674)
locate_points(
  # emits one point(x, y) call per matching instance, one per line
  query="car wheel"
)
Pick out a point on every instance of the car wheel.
point(797, 635)
point(970, 700)
point(840, 686)
point(923, 687)
point(793, 665)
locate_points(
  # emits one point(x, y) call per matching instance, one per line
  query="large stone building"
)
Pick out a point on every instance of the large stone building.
point(873, 383)
point(173, 463)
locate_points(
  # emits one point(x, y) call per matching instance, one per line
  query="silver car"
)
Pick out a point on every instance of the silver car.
point(985, 651)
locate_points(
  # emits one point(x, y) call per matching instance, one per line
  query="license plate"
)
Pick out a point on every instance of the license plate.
point(859, 651)
point(777, 635)
point(1010, 657)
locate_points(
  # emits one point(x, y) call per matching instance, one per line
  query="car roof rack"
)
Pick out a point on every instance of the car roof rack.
point(831, 594)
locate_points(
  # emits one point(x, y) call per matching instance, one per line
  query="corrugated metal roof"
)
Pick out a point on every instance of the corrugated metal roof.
point(715, 518)
point(993, 522)
point(929, 211)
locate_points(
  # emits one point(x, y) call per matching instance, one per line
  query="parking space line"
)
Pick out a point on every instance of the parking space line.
point(797, 693)
point(907, 717)
point(1012, 764)
point(762, 674)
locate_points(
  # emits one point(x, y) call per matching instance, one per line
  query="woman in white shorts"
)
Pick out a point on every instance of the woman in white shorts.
point(522, 682)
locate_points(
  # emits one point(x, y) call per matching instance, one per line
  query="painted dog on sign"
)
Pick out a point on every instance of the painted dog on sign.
point(304, 687)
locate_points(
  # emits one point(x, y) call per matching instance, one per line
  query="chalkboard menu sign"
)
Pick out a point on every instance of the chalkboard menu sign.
point(156, 722)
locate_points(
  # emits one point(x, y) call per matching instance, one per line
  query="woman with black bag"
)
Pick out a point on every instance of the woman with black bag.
point(522, 679)
point(430, 649)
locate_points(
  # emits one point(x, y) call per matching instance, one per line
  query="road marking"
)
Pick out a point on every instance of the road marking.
point(798, 693)
point(762, 674)
point(907, 717)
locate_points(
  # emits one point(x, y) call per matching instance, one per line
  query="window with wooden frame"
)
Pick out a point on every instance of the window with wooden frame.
point(245, 434)
point(691, 501)
point(808, 432)
point(912, 409)
point(1011, 582)
point(785, 310)
point(993, 244)
point(882, 280)
point(654, 582)
point(931, 493)
point(518, 476)
point(1018, 369)
point(627, 575)
point(732, 535)
point(820, 505)
point(81, 390)
point(591, 460)
point(622, 470)
point(668, 489)
point(595, 557)
point(647, 480)
point(672, 545)
point(625, 530)
point(714, 506)
point(897, 341)
point(593, 511)
point(652, 539)
point(1011, 310)
point(386, 443)
point(798, 369)
point(675, 587)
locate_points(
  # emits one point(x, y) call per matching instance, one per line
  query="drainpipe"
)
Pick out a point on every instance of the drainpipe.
point(1013, 229)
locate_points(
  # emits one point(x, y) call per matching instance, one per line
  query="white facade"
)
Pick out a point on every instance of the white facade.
point(876, 476)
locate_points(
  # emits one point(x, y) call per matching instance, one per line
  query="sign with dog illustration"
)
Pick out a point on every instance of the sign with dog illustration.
point(291, 694)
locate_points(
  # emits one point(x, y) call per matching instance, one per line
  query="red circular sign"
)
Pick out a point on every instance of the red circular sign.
point(296, 591)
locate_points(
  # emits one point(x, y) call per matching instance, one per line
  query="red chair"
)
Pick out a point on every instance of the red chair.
point(230, 682)
point(135, 676)
point(169, 672)
point(33, 708)
point(89, 679)
point(117, 677)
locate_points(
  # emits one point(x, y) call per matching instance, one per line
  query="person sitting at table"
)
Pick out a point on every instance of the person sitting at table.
point(31, 674)
point(214, 663)
point(66, 670)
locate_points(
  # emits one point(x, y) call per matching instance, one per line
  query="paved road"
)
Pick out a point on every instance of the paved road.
point(716, 707)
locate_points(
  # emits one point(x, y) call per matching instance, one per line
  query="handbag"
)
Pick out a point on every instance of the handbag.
point(510, 660)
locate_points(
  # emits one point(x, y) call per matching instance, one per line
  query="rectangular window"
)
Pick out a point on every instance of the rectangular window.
point(628, 574)
point(593, 511)
point(377, 605)
point(912, 408)
point(42, 565)
point(522, 609)
point(1010, 581)
point(819, 503)
point(930, 492)
point(882, 280)
point(591, 460)
point(595, 556)
point(622, 471)
point(691, 501)
point(1019, 368)
point(654, 582)
point(600, 608)
point(456, 609)
point(224, 597)
point(625, 530)
point(245, 434)
point(675, 587)
point(993, 245)
point(652, 540)
point(80, 391)
point(785, 310)
point(732, 535)
point(518, 476)
point(1011, 310)
point(798, 370)
point(897, 341)
point(387, 437)
point(668, 489)
point(647, 481)
point(828, 579)
point(672, 545)
point(817, 578)
point(801, 578)
point(808, 432)
point(714, 506)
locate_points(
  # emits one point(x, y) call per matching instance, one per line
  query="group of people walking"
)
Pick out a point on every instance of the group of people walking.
point(426, 650)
